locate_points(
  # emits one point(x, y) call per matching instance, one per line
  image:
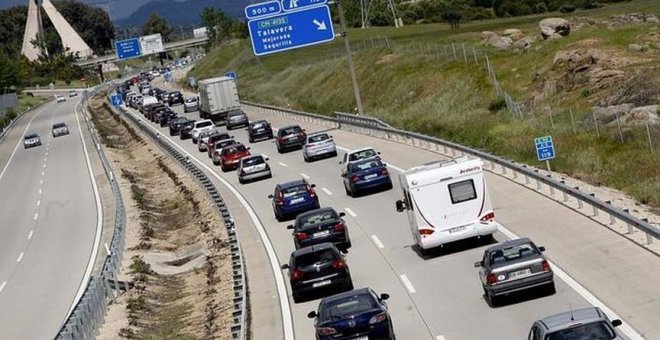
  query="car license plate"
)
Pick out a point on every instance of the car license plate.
point(297, 200)
point(361, 338)
point(370, 176)
point(321, 284)
point(322, 234)
point(520, 273)
point(457, 229)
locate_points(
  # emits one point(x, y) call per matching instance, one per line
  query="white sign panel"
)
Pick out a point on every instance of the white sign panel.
point(200, 32)
point(150, 44)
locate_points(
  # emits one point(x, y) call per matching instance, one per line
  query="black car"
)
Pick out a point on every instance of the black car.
point(175, 98)
point(319, 226)
point(175, 125)
point(290, 137)
point(185, 131)
point(164, 117)
point(356, 314)
point(317, 268)
point(259, 129)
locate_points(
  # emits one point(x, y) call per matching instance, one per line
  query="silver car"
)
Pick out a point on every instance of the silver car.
point(202, 144)
point(253, 167)
point(513, 266)
point(190, 105)
point(31, 140)
point(217, 150)
point(319, 145)
point(236, 119)
point(60, 129)
point(581, 324)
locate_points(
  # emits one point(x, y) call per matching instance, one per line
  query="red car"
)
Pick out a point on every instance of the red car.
point(231, 156)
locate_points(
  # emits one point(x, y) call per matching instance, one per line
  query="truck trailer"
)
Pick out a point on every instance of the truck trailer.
point(217, 97)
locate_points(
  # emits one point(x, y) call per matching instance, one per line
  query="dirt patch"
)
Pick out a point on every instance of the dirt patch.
point(167, 214)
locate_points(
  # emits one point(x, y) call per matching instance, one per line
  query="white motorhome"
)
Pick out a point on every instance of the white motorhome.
point(446, 201)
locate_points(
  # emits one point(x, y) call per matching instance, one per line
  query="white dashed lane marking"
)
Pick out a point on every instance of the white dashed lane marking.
point(36, 216)
point(328, 192)
point(20, 257)
point(30, 234)
point(377, 241)
point(2, 286)
point(350, 212)
point(407, 283)
point(38, 203)
point(305, 176)
point(282, 164)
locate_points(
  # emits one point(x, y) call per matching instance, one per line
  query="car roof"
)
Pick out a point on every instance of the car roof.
point(31, 135)
point(291, 184)
point(313, 248)
point(569, 318)
point(341, 296)
point(316, 211)
point(257, 155)
point(59, 124)
point(361, 149)
point(509, 243)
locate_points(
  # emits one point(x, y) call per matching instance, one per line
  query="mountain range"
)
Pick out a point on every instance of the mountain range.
point(182, 12)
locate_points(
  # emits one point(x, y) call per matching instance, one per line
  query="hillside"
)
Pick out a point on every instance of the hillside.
point(595, 90)
point(182, 12)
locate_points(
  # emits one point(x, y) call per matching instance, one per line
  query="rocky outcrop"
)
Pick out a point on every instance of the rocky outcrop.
point(551, 26)
point(608, 114)
point(513, 33)
point(494, 39)
point(642, 115)
point(510, 38)
point(628, 114)
point(631, 19)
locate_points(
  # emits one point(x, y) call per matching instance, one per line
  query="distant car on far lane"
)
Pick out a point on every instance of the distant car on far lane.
point(31, 140)
point(190, 105)
point(60, 98)
point(73, 93)
point(60, 129)
point(581, 324)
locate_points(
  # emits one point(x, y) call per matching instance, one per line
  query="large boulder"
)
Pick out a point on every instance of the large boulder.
point(643, 115)
point(608, 114)
point(493, 39)
point(552, 26)
point(513, 33)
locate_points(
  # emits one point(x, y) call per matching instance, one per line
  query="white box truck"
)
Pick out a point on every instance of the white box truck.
point(446, 201)
point(217, 97)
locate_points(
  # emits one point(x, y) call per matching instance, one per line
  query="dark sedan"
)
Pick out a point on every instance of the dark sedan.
point(175, 98)
point(175, 125)
point(290, 137)
point(259, 129)
point(185, 131)
point(354, 315)
point(318, 226)
point(365, 175)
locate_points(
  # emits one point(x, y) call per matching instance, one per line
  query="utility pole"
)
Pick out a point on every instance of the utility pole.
point(344, 34)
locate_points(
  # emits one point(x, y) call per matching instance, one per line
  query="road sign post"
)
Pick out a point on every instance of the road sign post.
point(545, 149)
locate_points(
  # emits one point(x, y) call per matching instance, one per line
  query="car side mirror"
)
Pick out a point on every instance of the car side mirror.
point(384, 165)
point(270, 196)
point(342, 214)
point(313, 186)
point(304, 130)
point(541, 248)
point(617, 323)
point(339, 162)
point(285, 266)
point(384, 296)
point(311, 315)
point(378, 153)
point(290, 226)
point(400, 206)
point(265, 158)
point(478, 264)
point(248, 148)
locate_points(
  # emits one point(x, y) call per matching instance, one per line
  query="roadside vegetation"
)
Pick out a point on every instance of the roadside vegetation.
point(177, 257)
point(408, 78)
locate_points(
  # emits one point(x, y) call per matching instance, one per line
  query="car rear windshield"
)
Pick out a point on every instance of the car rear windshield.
point(236, 114)
point(234, 149)
point(31, 136)
point(319, 217)
point(318, 138)
point(590, 331)
point(513, 253)
point(58, 125)
point(362, 155)
point(318, 257)
point(203, 124)
point(290, 130)
point(258, 125)
point(223, 143)
point(191, 100)
point(361, 166)
point(351, 305)
point(294, 191)
point(253, 161)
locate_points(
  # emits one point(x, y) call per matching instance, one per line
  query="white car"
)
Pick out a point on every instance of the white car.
point(60, 129)
point(252, 168)
point(201, 126)
point(60, 98)
point(31, 140)
point(357, 155)
point(73, 93)
point(319, 145)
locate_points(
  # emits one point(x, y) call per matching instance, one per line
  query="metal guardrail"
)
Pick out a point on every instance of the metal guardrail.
point(238, 327)
point(375, 128)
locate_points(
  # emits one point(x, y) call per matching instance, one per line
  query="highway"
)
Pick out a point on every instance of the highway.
point(437, 297)
point(49, 221)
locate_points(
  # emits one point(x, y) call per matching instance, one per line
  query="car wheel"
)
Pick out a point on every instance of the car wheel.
point(270, 175)
point(424, 252)
point(278, 217)
point(194, 141)
point(241, 180)
point(305, 158)
point(223, 168)
point(251, 140)
point(279, 149)
point(494, 300)
point(334, 154)
point(348, 192)
point(550, 289)
point(388, 186)
point(215, 162)
point(349, 286)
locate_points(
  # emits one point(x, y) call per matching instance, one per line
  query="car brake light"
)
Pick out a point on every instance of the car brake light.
point(488, 217)
point(339, 264)
point(384, 172)
point(339, 226)
point(426, 231)
point(355, 178)
point(546, 266)
point(326, 331)
point(491, 278)
point(378, 318)
point(311, 192)
point(280, 199)
point(301, 236)
point(296, 275)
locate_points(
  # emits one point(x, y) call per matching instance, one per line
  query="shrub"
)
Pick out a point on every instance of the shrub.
point(585, 92)
point(567, 8)
point(497, 105)
point(540, 8)
point(590, 4)
point(139, 266)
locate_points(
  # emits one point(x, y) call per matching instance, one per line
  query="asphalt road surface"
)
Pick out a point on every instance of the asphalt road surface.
point(437, 297)
point(48, 223)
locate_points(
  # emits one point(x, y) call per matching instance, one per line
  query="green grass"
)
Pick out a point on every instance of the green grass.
point(412, 87)
point(25, 102)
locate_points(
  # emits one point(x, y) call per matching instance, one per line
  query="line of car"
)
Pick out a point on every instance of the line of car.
point(318, 267)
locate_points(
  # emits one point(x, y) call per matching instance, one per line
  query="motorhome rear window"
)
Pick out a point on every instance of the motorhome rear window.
point(462, 191)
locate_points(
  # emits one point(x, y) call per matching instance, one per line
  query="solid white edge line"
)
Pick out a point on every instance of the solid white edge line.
point(327, 192)
point(99, 221)
point(583, 292)
point(270, 250)
point(377, 241)
point(30, 234)
point(2, 286)
point(305, 176)
point(282, 164)
point(350, 212)
point(41, 110)
point(20, 257)
point(407, 283)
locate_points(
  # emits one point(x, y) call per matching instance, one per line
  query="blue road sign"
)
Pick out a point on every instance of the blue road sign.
point(127, 49)
point(231, 74)
point(545, 149)
point(263, 9)
point(116, 100)
point(286, 31)
point(294, 5)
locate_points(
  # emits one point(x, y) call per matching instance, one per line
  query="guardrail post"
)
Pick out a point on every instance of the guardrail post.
point(552, 190)
point(649, 237)
point(578, 200)
point(564, 192)
point(612, 219)
point(630, 227)
point(595, 209)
